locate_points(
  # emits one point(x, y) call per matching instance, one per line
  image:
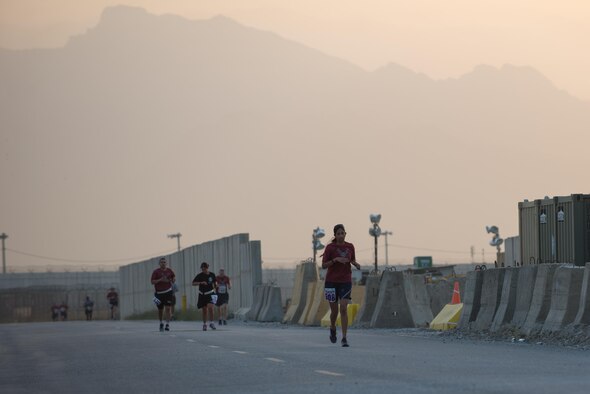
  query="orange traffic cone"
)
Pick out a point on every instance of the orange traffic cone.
point(456, 296)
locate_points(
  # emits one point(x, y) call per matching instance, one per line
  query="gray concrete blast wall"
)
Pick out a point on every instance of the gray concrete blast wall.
point(418, 299)
point(541, 299)
point(367, 309)
point(392, 310)
point(505, 310)
point(491, 293)
point(240, 257)
point(524, 294)
point(583, 316)
point(565, 298)
point(471, 299)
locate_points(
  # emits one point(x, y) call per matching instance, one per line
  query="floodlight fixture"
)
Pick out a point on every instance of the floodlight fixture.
point(375, 218)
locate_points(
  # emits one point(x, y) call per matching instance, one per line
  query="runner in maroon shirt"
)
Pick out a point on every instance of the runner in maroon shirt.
point(163, 278)
point(338, 258)
point(223, 285)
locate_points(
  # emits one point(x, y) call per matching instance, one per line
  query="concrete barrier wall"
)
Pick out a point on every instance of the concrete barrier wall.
point(272, 309)
point(491, 293)
point(318, 306)
point(240, 257)
point(505, 310)
point(545, 299)
point(471, 299)
point(524, 294)
point(418, 299)
point(365, 315)
point(392, 310)
point(305, 274)
point(541, 299)
point(565, 298)
point(260, 292)
point(583, 315)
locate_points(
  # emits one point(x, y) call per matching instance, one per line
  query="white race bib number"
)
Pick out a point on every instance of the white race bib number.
point(221, 289)
point(214, 298)
point(330, 294)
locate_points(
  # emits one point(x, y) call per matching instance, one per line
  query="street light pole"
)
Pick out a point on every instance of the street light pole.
point(3, 236)
point(177, 236)
point(183, 300)
point(315, 241)
point(386, 233)
point(375, 231)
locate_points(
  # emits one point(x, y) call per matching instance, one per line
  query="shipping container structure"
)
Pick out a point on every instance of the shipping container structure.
point(555, 230)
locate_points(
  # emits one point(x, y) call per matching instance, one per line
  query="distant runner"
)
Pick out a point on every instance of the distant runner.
point(207, 297)
point(223, 285)
point(163, 279)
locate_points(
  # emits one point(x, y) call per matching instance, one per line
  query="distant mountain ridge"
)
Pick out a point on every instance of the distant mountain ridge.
point(264, 124)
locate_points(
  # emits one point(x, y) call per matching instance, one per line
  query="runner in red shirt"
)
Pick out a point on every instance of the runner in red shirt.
point(163, 278)
point(338, 258)
point(223, 285)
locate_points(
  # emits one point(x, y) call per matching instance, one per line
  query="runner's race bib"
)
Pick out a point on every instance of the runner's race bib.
point(222, 289)
point(330, 294)
point(214, 298)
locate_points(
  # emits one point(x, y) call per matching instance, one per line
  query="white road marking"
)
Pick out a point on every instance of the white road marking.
point(276, 360)
point(214, 347)
point(240, 352)
point(190, 340)
point(328, 372)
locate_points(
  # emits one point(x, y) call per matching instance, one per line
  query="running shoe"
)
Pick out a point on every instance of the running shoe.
point(224, 323)
point(212, 326)
point(167, 328)
point(344, 342)
point(220, 322)
point(161, 326)
point(204, 327)
point(333, 337)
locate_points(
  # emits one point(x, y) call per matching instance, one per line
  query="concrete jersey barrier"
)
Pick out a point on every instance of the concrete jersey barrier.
point(471, 299)
point(505, 310)
point(391, 310)
point(541, 299)
point(583, 316)
point(565, 298)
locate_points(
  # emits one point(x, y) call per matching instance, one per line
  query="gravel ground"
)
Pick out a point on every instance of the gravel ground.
point(572, 337)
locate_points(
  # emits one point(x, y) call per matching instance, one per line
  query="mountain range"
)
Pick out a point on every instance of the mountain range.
point(150, 124)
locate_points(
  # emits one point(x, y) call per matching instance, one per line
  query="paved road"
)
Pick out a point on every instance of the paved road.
point(134, 357)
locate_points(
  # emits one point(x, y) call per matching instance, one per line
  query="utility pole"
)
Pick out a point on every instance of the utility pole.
point(3, 236)
point(183, 299)
point(177, 236)
point(386, 233)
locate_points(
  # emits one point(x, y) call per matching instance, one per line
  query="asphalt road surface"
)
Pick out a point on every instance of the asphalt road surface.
point(134, 357)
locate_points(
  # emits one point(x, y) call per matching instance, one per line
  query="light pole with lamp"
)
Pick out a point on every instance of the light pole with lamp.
point(315, 241)
point(496, 241)
point(183, 298)
point(375, 232)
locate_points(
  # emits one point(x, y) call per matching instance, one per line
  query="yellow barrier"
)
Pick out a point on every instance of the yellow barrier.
point(448, 317)
point(352, 310)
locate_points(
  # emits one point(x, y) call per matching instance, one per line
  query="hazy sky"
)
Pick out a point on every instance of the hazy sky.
point(443, 39)
point(439, 38)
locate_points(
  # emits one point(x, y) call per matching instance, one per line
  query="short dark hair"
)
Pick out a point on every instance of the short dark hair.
point(338, 227)
point(204, 265)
